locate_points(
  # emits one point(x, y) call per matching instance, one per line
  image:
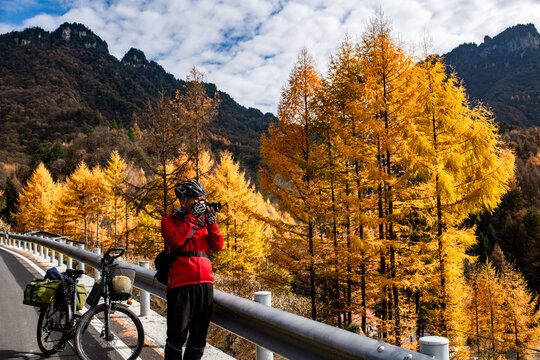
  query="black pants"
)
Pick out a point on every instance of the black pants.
point(189, 308)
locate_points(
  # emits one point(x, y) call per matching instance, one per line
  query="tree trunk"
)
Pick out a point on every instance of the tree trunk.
point(127, 228)
point(312, 272)
point(115, 222)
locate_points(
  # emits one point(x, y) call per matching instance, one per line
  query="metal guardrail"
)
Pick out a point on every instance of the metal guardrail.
point(286, 334)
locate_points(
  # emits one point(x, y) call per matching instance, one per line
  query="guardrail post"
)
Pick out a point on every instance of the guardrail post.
point(436, 346)
point(41, 250)
point(81, 264)
point(265, 298)
point(69, 261)
point(97, 274)
point(145, 295)
point(60, 255)
point(52, 254)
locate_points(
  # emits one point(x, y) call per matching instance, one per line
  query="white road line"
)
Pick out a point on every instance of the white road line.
point(36, 267)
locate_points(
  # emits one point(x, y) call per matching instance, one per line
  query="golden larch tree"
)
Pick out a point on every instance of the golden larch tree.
point(290, 165)
point(78, 194)
point(115, 176)
point(455, 148)
point(36, 201)
point(390, 100)
point(244, 234)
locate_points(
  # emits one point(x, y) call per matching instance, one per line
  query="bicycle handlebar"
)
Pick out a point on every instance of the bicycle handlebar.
point(110, 258)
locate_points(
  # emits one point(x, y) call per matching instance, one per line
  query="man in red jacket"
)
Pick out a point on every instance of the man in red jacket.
point(193, 232)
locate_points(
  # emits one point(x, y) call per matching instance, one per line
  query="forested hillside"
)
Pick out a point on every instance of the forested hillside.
point(504, 73)
point(56, 85)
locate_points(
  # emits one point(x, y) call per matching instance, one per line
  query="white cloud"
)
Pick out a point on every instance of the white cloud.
point(248, 47)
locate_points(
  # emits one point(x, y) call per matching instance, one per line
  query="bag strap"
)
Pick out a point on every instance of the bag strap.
point(176, 252)
point(194, 253)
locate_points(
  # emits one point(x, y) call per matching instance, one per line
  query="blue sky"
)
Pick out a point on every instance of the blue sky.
point(248, 47)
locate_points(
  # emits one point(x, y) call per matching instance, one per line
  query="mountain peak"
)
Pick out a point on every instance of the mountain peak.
point(503, 72)
point(78, 33)
point(135, 57)
point(514, 39)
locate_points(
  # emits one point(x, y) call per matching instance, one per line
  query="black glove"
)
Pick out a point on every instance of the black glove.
point(198, 208)
point(210, 218)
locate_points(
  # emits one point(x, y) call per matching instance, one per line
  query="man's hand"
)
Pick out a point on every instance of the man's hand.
point(210, 218)
point(198, 208)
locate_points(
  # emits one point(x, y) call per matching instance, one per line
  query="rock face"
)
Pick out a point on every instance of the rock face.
point(504, 73)
point(135, 58)
point(75, 34)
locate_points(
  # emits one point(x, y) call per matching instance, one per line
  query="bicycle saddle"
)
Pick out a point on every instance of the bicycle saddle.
point(74, 273)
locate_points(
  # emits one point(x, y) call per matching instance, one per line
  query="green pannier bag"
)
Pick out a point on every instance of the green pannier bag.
point(40, 292)
point(81, 296)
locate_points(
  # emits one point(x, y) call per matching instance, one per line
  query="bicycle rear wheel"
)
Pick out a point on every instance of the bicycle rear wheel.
point(52, 325)
point(125, 341)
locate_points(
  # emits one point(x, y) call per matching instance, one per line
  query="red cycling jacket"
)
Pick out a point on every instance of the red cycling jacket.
point(190, 270)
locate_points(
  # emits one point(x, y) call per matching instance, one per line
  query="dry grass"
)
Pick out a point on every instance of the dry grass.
point(245, 287)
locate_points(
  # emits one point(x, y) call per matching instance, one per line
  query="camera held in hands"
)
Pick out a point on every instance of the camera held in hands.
point(214, 205)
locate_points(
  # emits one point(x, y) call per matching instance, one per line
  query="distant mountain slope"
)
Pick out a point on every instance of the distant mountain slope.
point(54, 85)
point(504, 73)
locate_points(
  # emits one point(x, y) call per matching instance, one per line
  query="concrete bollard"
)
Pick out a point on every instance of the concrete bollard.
point(52, 254)
point(41, 250)
point(69, 261)
point(97, 273)
point(145, 295)
point(81, 264)
point(265, 298)
point(435, 346)
point(60, 255)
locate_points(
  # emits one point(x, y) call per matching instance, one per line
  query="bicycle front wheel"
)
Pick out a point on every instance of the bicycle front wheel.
point(52, 325)
point(125, 339)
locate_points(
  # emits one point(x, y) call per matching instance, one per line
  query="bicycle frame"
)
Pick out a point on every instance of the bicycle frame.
point(106, 263)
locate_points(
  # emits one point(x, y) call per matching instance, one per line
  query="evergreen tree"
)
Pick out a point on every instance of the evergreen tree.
point(11, 201)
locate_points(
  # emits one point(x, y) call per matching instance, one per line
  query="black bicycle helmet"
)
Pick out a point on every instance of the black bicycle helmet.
point(188, 189)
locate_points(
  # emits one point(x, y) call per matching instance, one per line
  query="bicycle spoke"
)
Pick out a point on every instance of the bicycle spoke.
point(50, 333)
point(125, 337)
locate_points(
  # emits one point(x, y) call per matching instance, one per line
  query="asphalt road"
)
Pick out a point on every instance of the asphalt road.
point(19, 322)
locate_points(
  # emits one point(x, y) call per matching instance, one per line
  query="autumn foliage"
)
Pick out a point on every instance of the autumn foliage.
point(372, 171)
point(379, 164)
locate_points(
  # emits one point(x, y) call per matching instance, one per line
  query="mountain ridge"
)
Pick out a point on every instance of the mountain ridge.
point(56, 84)
point(504, 73)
